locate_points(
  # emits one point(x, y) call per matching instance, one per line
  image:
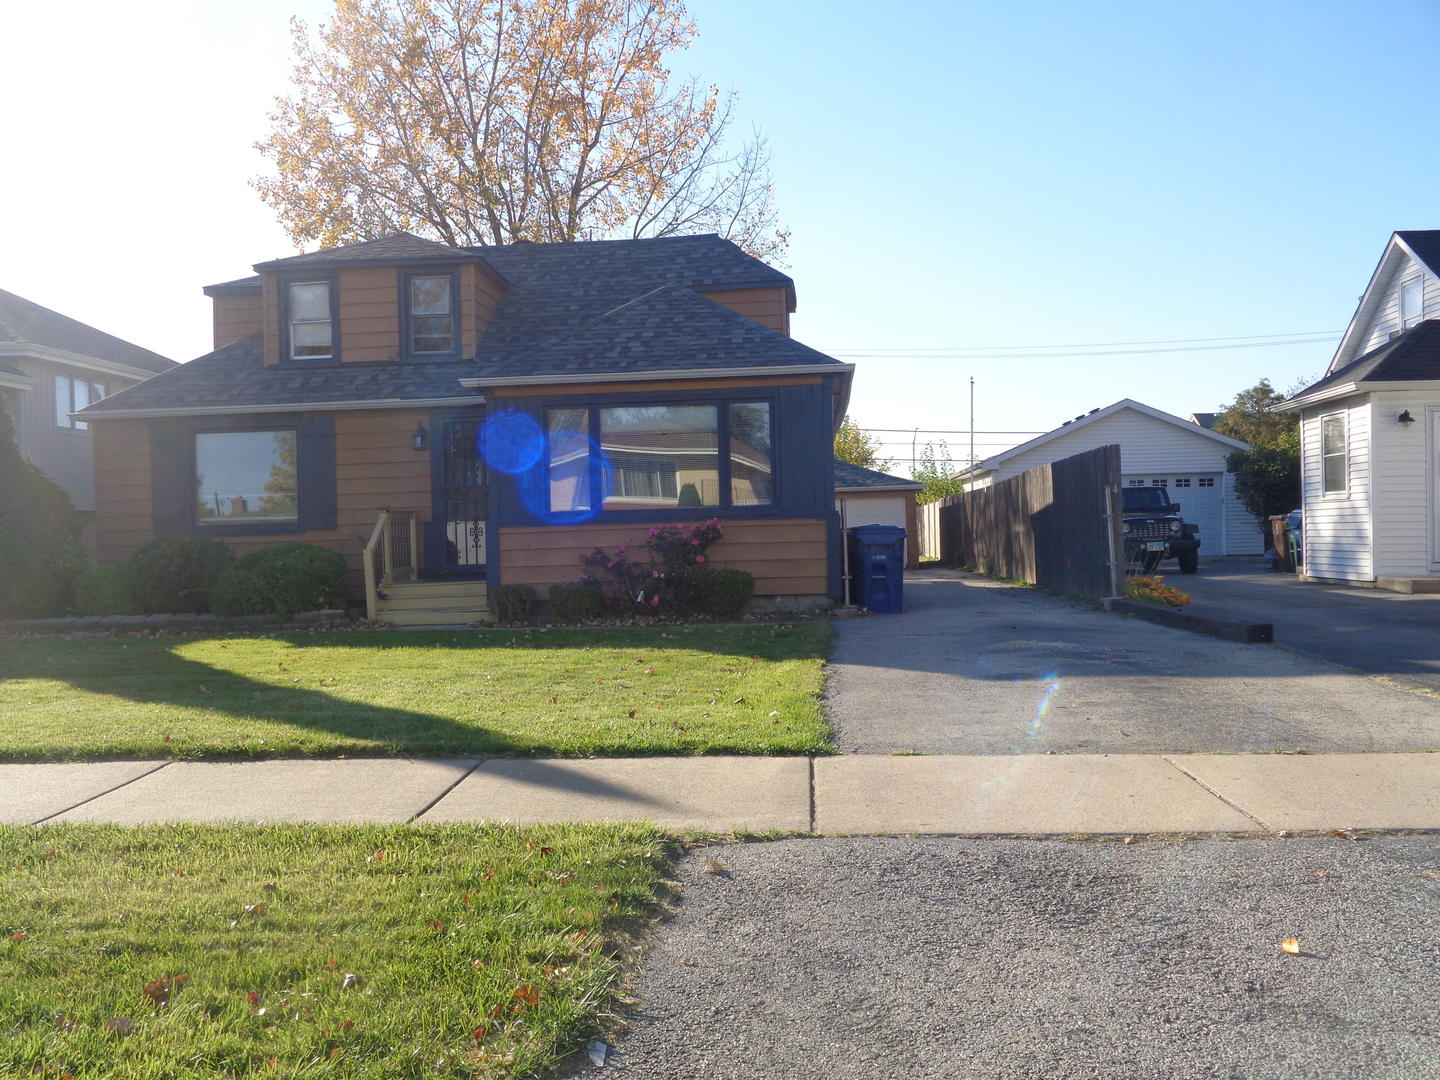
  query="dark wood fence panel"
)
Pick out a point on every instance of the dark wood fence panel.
point(1056, 526)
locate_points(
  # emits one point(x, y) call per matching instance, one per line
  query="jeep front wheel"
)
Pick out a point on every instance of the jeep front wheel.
point(1189, 561)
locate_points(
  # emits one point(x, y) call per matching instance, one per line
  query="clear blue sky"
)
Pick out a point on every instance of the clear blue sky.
point(958, 176)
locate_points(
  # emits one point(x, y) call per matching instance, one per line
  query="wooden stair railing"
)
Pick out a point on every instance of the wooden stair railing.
point(392, 554)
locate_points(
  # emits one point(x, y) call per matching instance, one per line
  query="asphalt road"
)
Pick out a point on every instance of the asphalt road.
point(977, 667)
point(1381, 633)
point(993, 959)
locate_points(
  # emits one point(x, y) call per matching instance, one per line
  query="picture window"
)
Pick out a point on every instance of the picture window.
point(245, 477)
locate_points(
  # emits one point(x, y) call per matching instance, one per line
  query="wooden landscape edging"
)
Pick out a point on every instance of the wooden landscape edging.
point(1056, 526)
point(1246, 633)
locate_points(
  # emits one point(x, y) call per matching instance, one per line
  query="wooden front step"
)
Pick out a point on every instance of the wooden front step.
point(433, 603)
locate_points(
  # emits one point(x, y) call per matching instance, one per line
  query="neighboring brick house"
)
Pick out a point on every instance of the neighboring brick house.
point(616, 385)
point(51, 366)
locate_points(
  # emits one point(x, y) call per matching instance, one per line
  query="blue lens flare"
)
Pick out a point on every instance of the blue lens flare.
point(512, 442)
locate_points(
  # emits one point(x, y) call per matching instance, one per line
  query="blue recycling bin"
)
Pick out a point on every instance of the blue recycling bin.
point(877, 567)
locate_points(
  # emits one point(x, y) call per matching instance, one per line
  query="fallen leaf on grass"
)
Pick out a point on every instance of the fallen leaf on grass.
point(1291, 946)
point(254, 909)
point(269, 886)
point(351, 979)
point(203, 690)
point(121, 1025)
point(437, 926)
point(346, 1025)
point(254, 998)
point(528, 994)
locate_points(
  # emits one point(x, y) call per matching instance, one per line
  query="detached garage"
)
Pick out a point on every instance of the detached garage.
point(867, 497)
point(1156, 450)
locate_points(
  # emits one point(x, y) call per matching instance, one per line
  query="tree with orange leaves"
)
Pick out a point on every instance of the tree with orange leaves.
point(491, 121)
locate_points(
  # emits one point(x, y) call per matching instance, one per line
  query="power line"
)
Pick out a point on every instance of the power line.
point(1108, 344)
point(1060, 355)
point(943, 431)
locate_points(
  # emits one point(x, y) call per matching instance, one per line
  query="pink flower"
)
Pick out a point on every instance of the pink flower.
point(695, 542)
point(699, 558)
point(654, 599)
point(654, 532)
point(654, 573)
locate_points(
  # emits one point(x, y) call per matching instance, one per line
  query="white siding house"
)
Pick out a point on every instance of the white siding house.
point(1370, 432)
point(1157, 449)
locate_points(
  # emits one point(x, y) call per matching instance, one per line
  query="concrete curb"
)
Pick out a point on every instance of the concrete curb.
point(82, 624)
point(1247, 633)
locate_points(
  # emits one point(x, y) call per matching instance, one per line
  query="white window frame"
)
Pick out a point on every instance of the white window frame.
point(1344, 420)
point(1406, 322)
point(65, 400)
point(292, 321)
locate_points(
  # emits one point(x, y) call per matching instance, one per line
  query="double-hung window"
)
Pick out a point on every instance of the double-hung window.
point(311, 322)
point(1334, 455)
point(430, 300)
point(660, 456)
point(71, 395)
point(1412, 302)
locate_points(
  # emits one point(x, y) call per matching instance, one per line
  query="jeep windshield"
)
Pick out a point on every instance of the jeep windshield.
point(1147, 500)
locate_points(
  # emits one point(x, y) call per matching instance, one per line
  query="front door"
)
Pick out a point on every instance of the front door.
point(456, 538)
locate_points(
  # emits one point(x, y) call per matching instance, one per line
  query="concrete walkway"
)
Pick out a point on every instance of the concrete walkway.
point(854, 795)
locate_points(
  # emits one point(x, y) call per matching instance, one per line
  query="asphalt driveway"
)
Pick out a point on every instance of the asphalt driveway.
point(1396, 635)
point(991, 959)
point(977, 667)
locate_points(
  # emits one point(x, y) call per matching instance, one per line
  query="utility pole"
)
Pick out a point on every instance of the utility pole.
point(972, 432)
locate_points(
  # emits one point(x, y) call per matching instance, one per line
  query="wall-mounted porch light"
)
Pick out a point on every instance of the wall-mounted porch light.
point(1405, 419)
point(421, 437)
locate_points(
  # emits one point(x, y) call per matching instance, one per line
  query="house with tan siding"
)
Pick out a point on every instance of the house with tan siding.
point(451, 419)
point(1370, 432)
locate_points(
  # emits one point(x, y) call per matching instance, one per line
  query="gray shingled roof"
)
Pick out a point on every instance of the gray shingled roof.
point(401, 247)
point(1413, 356)
point(855, 478)
point(1425, 243)
point(236, 376)
point(668, 328)
point(26, 322)
point(602, 306)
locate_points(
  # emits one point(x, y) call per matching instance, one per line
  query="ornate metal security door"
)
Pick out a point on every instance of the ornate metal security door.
point(463, 495)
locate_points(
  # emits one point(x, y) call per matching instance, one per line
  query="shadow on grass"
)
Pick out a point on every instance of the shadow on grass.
point(150, 672)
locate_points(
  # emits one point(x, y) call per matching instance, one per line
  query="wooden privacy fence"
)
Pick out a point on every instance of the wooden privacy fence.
point(1056, 526)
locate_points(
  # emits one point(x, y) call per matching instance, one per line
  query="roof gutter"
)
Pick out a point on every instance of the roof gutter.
point(288, 407)
point(30, 351)
point(878, 487)
point(656, 376)
point(1350, 389)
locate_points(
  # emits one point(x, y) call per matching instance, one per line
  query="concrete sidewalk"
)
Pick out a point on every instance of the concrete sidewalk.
point(855, 795)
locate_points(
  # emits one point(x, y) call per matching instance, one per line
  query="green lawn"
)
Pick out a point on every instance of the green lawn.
point(207, 951)
point(624, 691)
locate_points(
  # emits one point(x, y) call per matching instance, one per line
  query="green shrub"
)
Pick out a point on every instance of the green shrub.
point(105, 591)
point(577, 602)
point(41, 553)
point(173, 574)
point(512, 603)
point(282, 580)
point(726, 594)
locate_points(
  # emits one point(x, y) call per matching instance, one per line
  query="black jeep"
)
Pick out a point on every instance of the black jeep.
point(1154, 532)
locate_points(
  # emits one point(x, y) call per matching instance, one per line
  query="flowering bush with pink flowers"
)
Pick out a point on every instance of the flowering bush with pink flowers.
point(668, 582)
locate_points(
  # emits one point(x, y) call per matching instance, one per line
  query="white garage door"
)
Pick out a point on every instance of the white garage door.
point(874, 510)
point(1199, 496)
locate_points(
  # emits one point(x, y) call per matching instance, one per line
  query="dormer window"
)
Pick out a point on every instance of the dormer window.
point(311, 323)
point(1412, 302)
point(431, 314)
